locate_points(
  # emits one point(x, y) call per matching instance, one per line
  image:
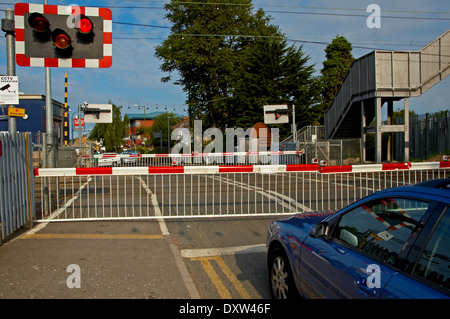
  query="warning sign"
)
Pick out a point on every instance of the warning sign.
point(9, 90)
point(14, 111)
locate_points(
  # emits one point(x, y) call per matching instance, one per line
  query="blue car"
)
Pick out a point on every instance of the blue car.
point(392, 244)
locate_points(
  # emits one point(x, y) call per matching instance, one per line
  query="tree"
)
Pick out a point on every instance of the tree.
point(111, 134)
point(205, 47)
point(274, 73)
point(335, 67)
point(164, 124)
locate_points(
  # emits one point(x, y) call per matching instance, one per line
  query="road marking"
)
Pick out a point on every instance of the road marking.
point(271, 195)
point(90, 236)
point(187, 279)
point(205, 256)
point(155, 205)
point(215, 279)
point(217, 282)
point(210, 252)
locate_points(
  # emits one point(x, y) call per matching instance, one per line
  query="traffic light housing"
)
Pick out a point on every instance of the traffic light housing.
point(63, 36)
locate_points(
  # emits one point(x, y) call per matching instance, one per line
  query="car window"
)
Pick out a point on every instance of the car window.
point(434, 263)
point(382, 227)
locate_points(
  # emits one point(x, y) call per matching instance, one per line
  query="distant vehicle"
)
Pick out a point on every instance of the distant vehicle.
point(109, 159)
point(131, 158)
point(392, 244)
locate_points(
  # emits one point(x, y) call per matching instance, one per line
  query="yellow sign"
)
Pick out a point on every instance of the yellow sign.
point(14, 111)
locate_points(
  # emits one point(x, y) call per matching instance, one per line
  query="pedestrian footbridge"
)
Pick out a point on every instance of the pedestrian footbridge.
point(384, 77)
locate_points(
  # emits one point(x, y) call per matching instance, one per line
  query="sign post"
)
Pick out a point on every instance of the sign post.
point(8, 28)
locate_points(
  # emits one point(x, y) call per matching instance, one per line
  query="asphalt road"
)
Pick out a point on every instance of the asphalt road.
point(205, 259)
point(199, 258)
point(208, 257)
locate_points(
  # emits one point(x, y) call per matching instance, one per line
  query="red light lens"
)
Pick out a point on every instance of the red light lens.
point(85, 25)
point(39, 23)
point(62, 41)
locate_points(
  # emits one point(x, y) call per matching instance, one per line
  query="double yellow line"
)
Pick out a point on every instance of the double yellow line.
point(215, 278)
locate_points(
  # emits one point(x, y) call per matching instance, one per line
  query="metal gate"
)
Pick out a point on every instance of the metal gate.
point(110, 193)
point(16, 182)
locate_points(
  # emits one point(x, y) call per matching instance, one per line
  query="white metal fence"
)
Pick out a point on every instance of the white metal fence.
point(214, 191)
point(178, 159)
point(16, 182)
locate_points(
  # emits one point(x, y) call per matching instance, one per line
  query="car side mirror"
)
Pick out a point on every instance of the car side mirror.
point(319, 230)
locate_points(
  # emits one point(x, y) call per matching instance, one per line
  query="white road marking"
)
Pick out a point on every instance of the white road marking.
point(187, 279)
point(209, 252)
point(155, 205)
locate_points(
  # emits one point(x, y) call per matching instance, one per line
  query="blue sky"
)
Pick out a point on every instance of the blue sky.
point(134, 78)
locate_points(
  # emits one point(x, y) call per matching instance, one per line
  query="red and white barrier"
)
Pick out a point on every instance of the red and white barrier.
point(180, 155)
point(263, 169)
point(384, 167)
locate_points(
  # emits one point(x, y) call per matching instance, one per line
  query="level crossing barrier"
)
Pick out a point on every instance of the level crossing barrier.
point(133, 193)
point(195, 159)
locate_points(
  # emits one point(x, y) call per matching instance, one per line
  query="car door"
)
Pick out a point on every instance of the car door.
point(430, 276)
point(362, 250)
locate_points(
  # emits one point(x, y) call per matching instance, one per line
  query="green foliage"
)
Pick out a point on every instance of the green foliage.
point(164, 124)
point(273, 73)
point(111, 134)
point(205, 48)
point(232, 61)
point(335, 67)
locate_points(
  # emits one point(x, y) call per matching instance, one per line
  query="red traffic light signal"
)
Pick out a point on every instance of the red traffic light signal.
point(38, 22)
point(46, 36)
point(61, 39)
point(84, 25)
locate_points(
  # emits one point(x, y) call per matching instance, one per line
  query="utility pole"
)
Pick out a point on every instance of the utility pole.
point(79, 127)
point(8, 27)
point(294, 126)
point(49, 117)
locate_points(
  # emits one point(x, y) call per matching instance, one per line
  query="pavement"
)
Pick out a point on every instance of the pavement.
point(99, 260)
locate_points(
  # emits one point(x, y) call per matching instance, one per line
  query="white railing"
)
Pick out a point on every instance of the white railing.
point(178, 159)
point(215, 191)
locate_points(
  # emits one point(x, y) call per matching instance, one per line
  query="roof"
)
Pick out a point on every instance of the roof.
point(23, 96)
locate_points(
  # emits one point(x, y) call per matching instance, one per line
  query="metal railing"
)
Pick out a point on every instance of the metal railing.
point(235, 158)
point(215, 191)
point(16, 182)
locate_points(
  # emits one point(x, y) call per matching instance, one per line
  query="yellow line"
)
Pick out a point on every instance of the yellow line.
point(90, 236)
point(231, 277)
point(223, 292)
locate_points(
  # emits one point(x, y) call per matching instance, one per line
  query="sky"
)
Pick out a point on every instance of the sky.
point(135, 78)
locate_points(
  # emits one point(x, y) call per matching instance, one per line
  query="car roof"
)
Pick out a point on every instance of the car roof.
point(443, 183)
point(436, 187)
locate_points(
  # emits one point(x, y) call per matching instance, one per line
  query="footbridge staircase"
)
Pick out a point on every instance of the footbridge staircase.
point(382, 77)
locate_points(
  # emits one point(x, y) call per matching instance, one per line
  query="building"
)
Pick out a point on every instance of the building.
point(145, 121)
point(137, 121)
point(35, 119)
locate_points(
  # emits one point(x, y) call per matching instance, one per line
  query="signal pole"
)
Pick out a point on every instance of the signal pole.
point(11, 61)
point(49, 116)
